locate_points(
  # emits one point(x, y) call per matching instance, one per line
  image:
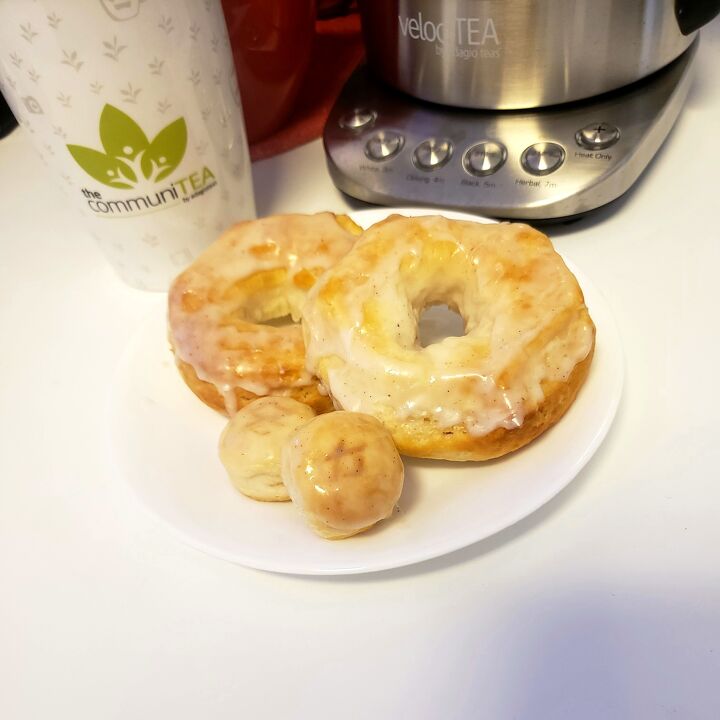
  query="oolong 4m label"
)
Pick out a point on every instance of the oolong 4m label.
point(131, 161)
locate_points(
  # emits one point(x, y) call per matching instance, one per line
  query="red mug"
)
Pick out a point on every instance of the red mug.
point(271, 43)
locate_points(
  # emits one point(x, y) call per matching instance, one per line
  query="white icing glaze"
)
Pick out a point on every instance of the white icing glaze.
point(255, 272)
point(343, 473)
point(251, 443)
point(524, 315)
point(228, 396)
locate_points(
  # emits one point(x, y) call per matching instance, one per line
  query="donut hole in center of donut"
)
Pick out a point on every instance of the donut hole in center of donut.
point(272, 311)
point(283, 321)
point(271, 304)
point(438, 283)
point(437, 322)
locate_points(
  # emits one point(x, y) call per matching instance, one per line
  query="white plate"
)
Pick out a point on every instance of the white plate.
point(164, 443)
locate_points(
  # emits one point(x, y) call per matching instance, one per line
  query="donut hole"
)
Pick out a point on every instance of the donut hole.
point(283, 321)
point(438, 287)
point(271, 303)
point(437, 322)
point(272, 308)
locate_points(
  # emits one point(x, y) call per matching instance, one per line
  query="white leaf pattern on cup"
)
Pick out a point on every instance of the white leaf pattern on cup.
point(150, 239)
point(130, 94)
point(72, 60)
point(181, 257)
point(27, 33)
point(113, 49)
point(166, 24)
point(156, 66)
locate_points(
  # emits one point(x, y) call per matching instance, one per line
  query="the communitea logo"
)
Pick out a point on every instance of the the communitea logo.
point(131, 161)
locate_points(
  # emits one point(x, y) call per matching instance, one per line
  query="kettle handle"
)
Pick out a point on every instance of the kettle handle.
point(693, 14)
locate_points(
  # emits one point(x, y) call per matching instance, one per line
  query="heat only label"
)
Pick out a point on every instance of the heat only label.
point(464, 37)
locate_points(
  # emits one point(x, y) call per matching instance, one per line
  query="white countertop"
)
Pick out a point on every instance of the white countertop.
point(603, 604)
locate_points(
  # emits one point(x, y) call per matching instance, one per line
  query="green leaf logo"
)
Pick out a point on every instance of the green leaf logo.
point(166, 151)
point(129, 155)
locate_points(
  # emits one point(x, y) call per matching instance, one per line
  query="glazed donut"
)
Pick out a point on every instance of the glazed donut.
point(343, 473)
point(257, 271)
point(526, 352)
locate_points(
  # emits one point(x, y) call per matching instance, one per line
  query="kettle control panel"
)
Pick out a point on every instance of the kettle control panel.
point(388, 148)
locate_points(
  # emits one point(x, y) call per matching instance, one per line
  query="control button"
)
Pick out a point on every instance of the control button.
point(485, 158)
point(358, 119)
point(384, 144)
point(432, 154)
point(543, 158)
point(597, 136)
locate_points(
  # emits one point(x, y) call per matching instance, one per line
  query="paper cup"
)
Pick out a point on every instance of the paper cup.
point(135, 109)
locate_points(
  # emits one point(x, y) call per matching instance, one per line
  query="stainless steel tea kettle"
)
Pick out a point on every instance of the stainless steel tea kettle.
point(496, 54)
